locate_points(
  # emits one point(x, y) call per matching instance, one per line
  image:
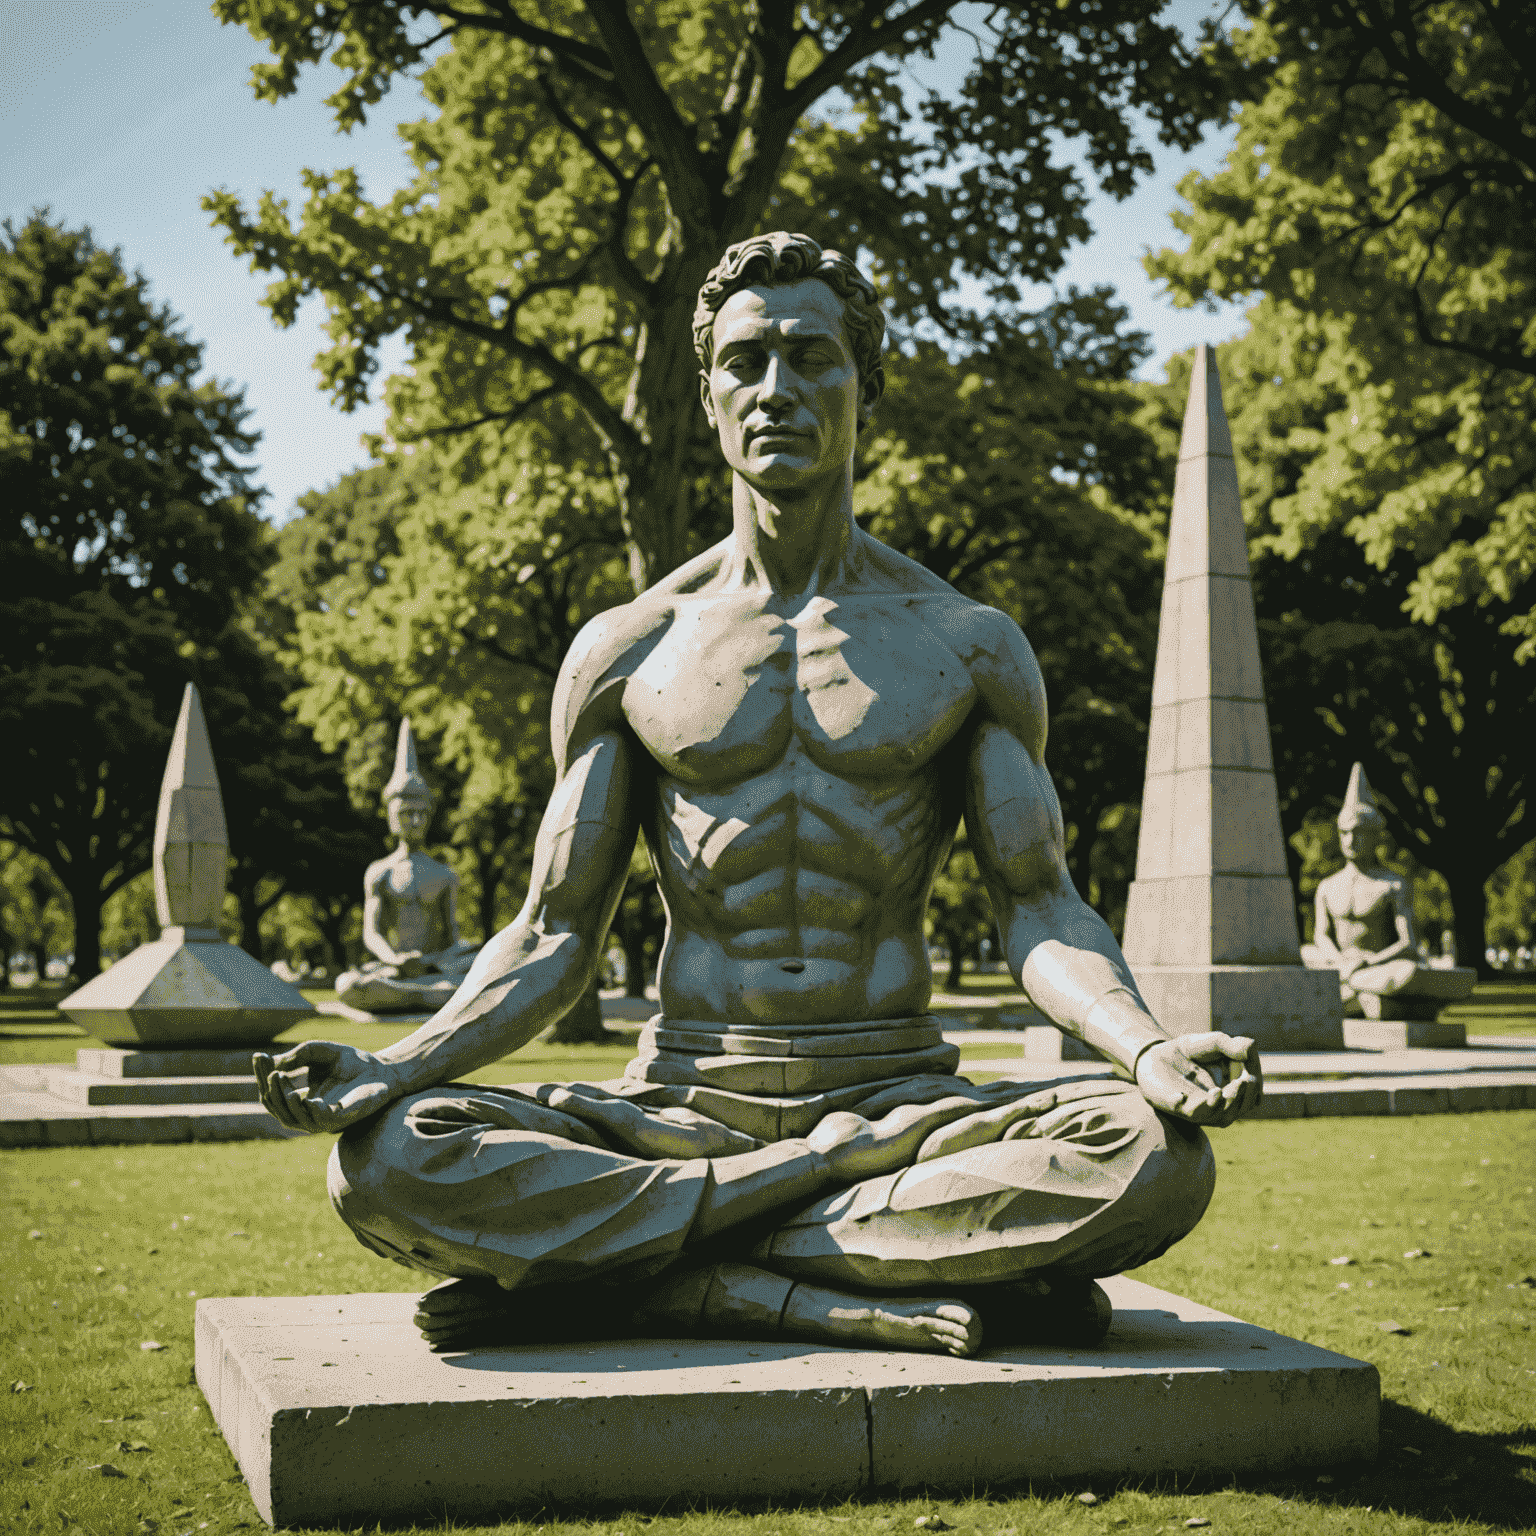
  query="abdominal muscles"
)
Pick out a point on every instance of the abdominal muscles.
point(796, 909)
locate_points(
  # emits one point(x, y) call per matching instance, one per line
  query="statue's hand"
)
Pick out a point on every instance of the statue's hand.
point(1210, 1079)
point(344, 1085)
point(1350, 961)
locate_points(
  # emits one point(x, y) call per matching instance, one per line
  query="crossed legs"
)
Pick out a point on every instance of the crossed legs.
point(548, 1235)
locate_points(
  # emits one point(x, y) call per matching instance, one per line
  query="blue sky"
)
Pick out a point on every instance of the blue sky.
point(123, 114)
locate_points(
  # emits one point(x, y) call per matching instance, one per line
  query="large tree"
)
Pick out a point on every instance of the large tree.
point(588, 160)
point(129, 532)
point(1381, 203)
point(130, 545)
point(1381, 197)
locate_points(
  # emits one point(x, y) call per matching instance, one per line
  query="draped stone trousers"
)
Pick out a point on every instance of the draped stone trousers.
point(1078, 1178)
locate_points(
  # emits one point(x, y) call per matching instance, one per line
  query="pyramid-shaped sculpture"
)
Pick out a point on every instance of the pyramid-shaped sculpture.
point(1210, 925)
point(189, 988)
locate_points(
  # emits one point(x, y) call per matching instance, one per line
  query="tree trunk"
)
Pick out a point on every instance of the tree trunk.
point(85, 908)
point(5, 962)
point(1469, 901)
point(634, 960)
point(956, 971)
point(250, 919)
point(583, 1025)
point(490, 883)
point(330, 919)
point(665, 396)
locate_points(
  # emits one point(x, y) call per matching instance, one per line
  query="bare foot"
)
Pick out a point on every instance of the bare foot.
point(460, 1314)
point(930, 1323)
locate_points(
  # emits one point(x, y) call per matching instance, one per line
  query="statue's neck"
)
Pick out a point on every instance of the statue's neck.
point(795, 543)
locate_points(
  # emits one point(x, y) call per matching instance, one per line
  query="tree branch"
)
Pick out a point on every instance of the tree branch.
point(1374, 32)
point(676, 148)
point(507, 21)
point(861, 42)
point(641, 286)
point(510, 417)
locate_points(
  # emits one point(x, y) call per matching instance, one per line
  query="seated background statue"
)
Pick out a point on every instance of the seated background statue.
point(798, 718)
point(410, 909)
point(1364, 925)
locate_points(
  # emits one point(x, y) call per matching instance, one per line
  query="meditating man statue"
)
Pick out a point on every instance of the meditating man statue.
point(1364, 926)
point(797, 719)
point(410, 909)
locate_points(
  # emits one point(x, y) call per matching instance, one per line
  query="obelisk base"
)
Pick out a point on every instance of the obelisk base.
point(1281, 1007)
point(187, 990)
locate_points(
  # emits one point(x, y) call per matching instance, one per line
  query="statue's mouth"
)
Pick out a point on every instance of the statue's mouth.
point(794, 967)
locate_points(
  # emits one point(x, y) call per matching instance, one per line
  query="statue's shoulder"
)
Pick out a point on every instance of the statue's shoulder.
point(377, 872)
point(609, 648)
point(988, 643)
point(425, 865)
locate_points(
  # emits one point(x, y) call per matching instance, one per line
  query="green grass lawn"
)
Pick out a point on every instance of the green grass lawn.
point(110, 1247)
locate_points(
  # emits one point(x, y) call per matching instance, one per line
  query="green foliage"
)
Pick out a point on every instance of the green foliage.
point(1512, 901)
point(34, 911)
point(583, 170)
point(124, 572)
point(133, 533)
point(1381, 198)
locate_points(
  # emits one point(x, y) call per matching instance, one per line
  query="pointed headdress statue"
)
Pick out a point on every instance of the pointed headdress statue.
point(406, 782)
point(1360, 801)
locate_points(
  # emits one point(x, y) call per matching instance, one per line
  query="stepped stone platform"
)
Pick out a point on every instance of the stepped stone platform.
point(337, 1412)
point(113, 1097)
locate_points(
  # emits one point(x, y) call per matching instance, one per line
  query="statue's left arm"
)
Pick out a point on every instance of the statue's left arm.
point(1059, 949)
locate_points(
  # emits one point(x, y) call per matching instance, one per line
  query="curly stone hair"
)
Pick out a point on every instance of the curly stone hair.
point(777, 260)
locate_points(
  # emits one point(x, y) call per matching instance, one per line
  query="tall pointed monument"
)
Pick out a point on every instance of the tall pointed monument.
point(1210, 925)
point(188, 988)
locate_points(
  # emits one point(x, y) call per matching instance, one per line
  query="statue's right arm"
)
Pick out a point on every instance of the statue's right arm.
point(535, 969)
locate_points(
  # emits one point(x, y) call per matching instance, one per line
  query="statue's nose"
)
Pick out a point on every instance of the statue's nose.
point(775, 381)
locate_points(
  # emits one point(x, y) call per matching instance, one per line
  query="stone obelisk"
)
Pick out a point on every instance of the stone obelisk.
point(188, 988)
point(1210, 925)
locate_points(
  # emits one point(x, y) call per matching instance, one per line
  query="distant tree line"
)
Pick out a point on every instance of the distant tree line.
point(544, 457)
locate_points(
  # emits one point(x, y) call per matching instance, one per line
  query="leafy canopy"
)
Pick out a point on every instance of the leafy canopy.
point(1381, 198)
point(133, 530)
point(588, 161)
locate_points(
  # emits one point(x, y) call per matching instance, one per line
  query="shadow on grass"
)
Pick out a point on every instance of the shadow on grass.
point(1425, 1470)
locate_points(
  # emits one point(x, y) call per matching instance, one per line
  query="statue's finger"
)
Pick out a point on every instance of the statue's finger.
point(302, 1119)
point(270, 1086)
point(277, 1107)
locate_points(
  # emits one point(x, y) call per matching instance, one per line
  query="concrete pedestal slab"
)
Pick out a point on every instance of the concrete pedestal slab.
point(111, 1062)
point(1404, 1035)
point(336, 1411)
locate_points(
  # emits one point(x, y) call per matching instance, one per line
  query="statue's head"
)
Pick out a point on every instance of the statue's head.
point(1361, 824)
point(788, 337)
point(407, 796)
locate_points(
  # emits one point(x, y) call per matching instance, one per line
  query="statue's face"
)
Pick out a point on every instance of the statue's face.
point(408, 820)
point(783, 390)
point(1360, 840)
